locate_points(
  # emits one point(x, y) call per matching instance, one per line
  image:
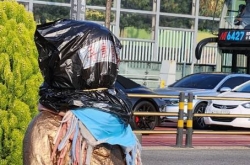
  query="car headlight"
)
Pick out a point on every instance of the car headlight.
point(246, 105)
point(175, 102)
point(172, 102)
point(163, 108)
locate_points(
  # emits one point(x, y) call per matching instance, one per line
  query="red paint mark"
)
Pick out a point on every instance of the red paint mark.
point(223, 36)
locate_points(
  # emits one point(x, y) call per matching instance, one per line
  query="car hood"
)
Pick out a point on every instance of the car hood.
point(140, 90)
point(233, 101)
point(235, 94)
point(176, 91)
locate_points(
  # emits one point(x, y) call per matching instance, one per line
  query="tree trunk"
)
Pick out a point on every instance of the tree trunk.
point(108, 13)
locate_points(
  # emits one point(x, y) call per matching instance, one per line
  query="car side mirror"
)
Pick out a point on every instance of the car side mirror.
point(225, 89)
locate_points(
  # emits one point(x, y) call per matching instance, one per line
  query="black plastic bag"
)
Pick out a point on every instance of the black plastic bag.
point(77, 58)
point(77, 54)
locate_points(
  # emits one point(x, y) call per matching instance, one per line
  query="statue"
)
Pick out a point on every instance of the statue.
point(83, 119)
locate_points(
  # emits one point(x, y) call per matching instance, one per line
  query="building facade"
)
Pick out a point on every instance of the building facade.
point(151, 31)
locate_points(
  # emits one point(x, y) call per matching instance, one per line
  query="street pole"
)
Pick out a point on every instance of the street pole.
point(108, 13)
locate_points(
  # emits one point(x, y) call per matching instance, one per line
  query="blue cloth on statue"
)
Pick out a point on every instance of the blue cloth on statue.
point(105, 126)
point(109, 128)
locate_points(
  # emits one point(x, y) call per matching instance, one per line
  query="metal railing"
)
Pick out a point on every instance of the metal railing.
point(180, 131)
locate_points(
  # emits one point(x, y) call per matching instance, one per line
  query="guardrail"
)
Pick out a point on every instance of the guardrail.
point(189, 121)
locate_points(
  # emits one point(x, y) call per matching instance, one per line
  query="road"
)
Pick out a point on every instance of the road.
point(196, 156)
point(210, 139)
point(207, 149)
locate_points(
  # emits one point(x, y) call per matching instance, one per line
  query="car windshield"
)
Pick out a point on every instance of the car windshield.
point(199, 81)
point(245, 88)
point(126, 82)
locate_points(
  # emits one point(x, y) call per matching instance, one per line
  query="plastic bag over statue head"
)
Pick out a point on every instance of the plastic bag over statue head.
point(77, 54)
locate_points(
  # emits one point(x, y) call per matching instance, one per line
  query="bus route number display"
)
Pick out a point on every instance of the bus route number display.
point(234, 35)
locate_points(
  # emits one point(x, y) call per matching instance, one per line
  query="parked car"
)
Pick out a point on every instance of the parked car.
point(141, 104)
point(230, 107)
point(200, 84)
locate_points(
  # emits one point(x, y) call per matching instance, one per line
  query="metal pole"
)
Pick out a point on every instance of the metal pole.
point(108, 13)
point(196, 3)
point(117, 3)
point(180, 124)
point(81, 9)
point(189, 133)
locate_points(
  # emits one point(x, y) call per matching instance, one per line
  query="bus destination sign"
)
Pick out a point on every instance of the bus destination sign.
point(234, 35)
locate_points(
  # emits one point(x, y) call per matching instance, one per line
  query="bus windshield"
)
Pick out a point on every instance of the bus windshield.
point(236, 14)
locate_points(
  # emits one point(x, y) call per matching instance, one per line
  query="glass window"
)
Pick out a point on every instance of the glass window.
point(60, 1)
point(96, 3)
point(246, 79)
point(244, 88)
point(98, 15)
point(134, 25)
point(177, 6)
point(210, 26)
point(138, 4)
point(233, 82)
point(176, 22)
point(49, 13)
point(199, 81)
point(126, 83)
point(119, 86)
point(211, 8)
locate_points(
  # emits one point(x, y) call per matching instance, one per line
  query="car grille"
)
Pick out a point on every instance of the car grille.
point(223, 119)
point(225, 106)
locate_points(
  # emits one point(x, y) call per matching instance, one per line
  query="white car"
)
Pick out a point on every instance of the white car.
point(230, 107)
point(200, 84)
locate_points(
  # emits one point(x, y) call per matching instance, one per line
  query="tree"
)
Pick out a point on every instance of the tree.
point(176, 6)
point(96, 2)
point(139, 21)
point(179, 7)
point(20, 79)
point(108, 13)
point(211, 8)
point(46, 13)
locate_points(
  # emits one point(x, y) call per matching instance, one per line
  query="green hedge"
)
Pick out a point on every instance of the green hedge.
point(20, 79)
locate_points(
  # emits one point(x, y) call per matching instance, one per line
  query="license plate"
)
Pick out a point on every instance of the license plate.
point(223, 111)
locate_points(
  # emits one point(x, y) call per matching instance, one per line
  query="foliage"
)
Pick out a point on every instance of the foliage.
point(176, 6)
point(96, 2)
point(19, 79)
point(211, 8)
point(137, 4)
point(97, 15)
point(47, 13)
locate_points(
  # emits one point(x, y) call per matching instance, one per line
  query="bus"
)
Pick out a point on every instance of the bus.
point(233, 38)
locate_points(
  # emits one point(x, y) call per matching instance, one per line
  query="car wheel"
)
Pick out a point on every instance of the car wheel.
point(144, 122)
point(198, 122)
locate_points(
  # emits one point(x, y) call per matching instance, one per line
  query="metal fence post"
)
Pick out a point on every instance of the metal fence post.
point(189, 133)
point(180, 124)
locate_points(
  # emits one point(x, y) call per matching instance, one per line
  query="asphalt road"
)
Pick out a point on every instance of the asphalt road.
point(219, 137)
point(196, 156)
point(208, 149)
